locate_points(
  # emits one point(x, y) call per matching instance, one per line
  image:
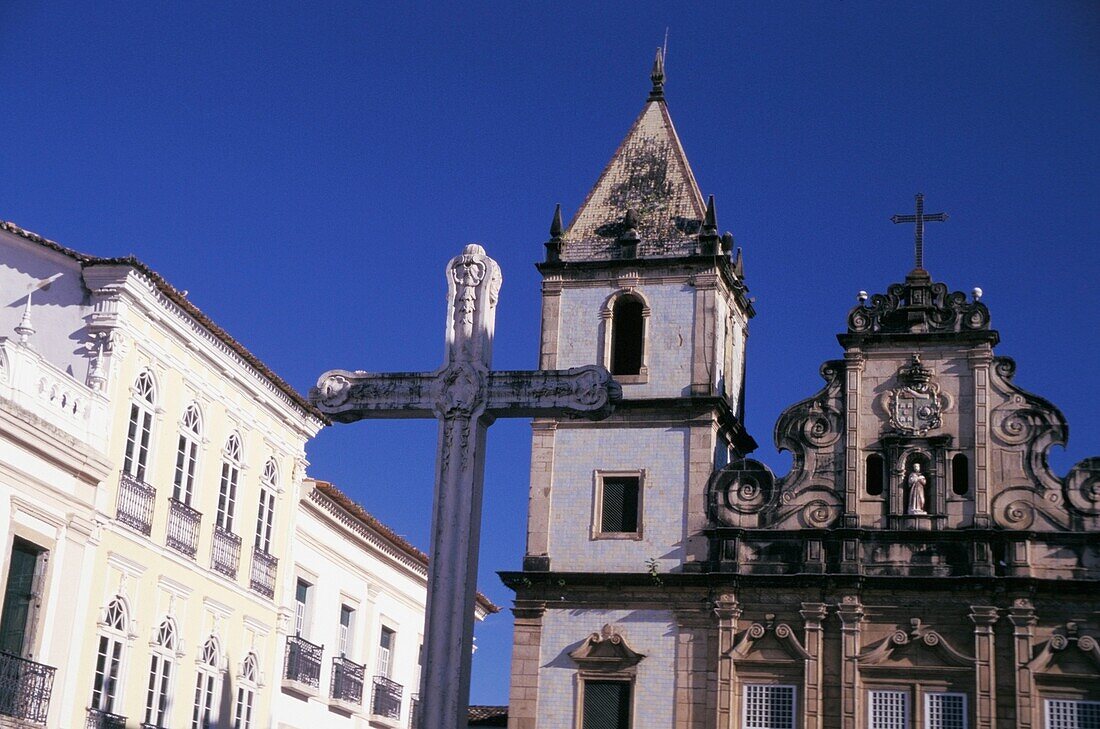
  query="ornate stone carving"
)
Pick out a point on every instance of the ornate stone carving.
point(606, 650)
point(1063, 638)
point(915, 406)
point(918, 305)
point(782, 633)
point(916, 481)
point(746, 492)
point(920, 635)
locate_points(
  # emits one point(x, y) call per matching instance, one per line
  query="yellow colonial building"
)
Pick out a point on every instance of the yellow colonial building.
point(151, 470)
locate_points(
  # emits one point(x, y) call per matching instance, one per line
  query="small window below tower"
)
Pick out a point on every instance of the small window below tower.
point(627, 336)
point(876, 474)
point(960, 475)
point(618, 507)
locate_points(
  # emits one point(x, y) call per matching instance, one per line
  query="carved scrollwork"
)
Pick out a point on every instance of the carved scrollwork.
point(1024, 507)
point(918, 305)
point(741, 489)
point(1082, 487)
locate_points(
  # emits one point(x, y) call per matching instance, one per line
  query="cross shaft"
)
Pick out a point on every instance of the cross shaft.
point(919, 219)
point(466, 396)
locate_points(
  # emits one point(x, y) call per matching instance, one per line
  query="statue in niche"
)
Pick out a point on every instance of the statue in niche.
point(917, 481)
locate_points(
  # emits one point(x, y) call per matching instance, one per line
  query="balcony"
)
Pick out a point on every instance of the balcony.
point(386, 698)
point(25, 688)
point(183, 528)
point(225, 553)
point(264, 569)
point(347, 685)
point(135, 503)
point(302, 667)
point(414, 711)
point(104, 720)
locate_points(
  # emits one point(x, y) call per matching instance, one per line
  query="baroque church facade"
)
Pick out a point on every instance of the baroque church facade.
point(920, 565)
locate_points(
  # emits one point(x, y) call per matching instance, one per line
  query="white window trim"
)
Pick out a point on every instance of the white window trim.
point(793, 722)
point(597, 531)
point(905, 692)
point(1057, 700)
point(928, 708)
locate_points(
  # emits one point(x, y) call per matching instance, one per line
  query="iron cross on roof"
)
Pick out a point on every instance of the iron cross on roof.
point(920, 218)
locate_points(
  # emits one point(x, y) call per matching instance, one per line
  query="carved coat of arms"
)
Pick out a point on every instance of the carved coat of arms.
point(915, 406)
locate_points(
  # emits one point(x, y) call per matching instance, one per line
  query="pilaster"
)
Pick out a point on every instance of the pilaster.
point(523, 696)
point(1022, 617)
point(727, 610)
point(813, 613)
point(704, 332)
point(980, 361)
point(551, 321)
point(538, 508)
point(850, 612)
point(853, 474)
point(985, 653)
point(693, 668)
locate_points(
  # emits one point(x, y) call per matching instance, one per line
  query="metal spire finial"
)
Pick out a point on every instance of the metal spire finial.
point(657, 76)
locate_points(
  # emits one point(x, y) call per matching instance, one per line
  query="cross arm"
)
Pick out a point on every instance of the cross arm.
point(585, 392)
point(904, 218)
point(347, 396)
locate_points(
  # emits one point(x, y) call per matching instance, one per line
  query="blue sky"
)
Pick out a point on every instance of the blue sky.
point(306, 170)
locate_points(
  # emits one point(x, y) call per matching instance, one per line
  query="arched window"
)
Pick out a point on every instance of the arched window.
point(158, 697)
point(207, 686)
point(876, 474)
point(265, 514)
point(231, 474)
point(108, 668)
point(140, 430)
point(187, 454)
point(627, 335)
point(960, 475)
point(246, 692)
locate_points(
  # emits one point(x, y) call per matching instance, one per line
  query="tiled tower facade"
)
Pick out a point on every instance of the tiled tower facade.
point(640, 281)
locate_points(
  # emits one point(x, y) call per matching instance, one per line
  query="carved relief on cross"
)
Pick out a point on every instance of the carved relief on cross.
point(466, 397)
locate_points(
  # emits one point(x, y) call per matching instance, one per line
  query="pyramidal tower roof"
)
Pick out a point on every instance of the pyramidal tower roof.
point(649, 176)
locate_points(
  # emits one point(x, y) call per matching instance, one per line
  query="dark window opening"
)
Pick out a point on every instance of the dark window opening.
point(619, 508)
point(960, 475)
point(627, 332)
point(606, 705)
point(16, 619)
point(876, 474)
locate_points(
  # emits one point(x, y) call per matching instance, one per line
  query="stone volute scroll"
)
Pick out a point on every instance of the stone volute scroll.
point(606, 651)
point(919, 636)
point(466, 396)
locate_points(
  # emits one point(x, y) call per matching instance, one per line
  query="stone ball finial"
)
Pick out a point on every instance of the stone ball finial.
point(862, 296)
point(473, 249)
point(977, 293)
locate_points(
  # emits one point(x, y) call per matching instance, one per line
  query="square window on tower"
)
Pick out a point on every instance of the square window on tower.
point(618, 506)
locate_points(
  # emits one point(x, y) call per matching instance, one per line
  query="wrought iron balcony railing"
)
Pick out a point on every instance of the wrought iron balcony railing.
point(225, 553)
point(135, 503)
point(25, 688)
point(414, 711)
point(386, 699)
point(183, 528)
point(347, 681)
point(104, 720)
point(303, 661)
point(264, 569)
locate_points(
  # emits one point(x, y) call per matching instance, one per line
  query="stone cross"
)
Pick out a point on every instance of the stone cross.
point(466, 397)
point(920, 219)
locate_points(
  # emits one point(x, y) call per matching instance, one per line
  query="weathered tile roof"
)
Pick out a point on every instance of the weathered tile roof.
point(488, 715)
point(353, 508)
point(176, 297)
point(650, 174)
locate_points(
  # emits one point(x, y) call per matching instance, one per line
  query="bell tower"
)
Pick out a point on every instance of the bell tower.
point(642, 282)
